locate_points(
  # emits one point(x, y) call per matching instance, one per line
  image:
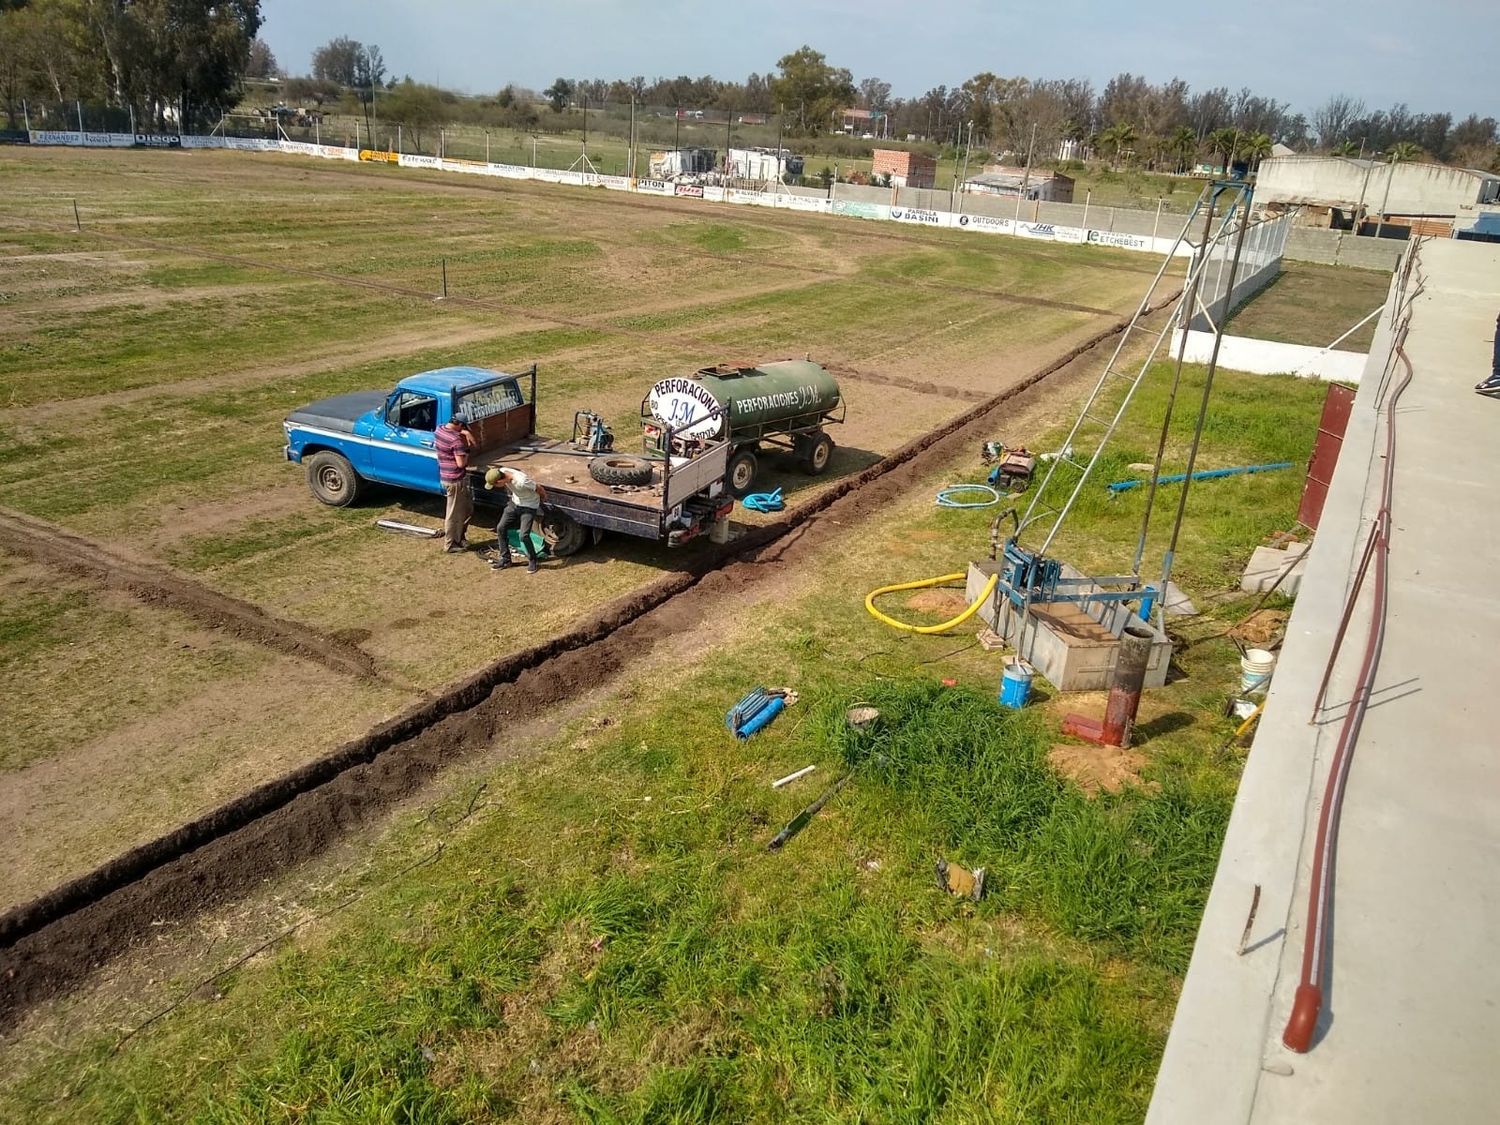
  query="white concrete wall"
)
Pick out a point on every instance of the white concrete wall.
point(1268, 357)
point(1414, 188)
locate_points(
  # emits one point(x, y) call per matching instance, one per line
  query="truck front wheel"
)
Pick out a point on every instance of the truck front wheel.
point(332, 479)
point(563, 534)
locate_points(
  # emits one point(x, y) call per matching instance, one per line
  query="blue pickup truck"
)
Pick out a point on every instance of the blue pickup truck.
point(673, 493)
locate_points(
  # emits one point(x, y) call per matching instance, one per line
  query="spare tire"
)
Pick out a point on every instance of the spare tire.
point(615, 469)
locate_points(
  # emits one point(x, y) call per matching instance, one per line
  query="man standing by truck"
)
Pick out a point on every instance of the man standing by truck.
point(453, 440)
point(523, 506)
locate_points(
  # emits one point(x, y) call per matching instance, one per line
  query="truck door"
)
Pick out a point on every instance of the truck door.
point(405, 439)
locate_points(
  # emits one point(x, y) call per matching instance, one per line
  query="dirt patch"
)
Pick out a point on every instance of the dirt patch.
point(1093, 768)
point(51, 546)
point(1261, 627)
point(53, 942)
point(943, 603)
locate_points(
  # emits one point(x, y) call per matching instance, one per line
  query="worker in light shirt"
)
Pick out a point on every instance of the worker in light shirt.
point(523, 507)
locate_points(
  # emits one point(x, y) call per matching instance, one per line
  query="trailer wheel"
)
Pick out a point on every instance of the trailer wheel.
point(741, 472)
point(332, 479)
point(615, 469)
point(563, 534)
point(819, 450)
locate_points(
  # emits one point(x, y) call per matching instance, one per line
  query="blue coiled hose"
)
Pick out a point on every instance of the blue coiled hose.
point(945, 496)
point(764, 501)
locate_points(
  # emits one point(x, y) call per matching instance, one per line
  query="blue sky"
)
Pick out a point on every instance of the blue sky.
point(1439, 55)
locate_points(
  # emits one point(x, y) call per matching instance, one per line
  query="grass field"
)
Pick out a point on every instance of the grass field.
point(1315, 305)
point(602, 935)
point(146, 363)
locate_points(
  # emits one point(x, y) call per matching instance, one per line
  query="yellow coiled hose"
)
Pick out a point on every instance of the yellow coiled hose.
point(989, 588)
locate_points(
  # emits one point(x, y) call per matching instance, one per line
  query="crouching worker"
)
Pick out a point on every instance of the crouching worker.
point(523, 507)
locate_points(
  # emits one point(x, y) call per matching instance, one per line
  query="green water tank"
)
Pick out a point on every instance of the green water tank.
point(745, 403)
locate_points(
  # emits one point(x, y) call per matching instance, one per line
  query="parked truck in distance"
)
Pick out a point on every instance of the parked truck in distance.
point(785, 404)
point(389, 438)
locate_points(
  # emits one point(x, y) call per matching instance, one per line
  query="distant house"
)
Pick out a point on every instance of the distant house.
point(1039, 183)
point(683, 162)
point(906, 169)
point(762, 164)
point(864, 123)
point(752, 119)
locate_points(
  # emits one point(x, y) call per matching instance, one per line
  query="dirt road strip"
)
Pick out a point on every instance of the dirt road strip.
point(52, 546)
point(51, 944)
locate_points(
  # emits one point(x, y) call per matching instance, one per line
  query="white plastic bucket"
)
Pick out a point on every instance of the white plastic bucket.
point(1255, 668)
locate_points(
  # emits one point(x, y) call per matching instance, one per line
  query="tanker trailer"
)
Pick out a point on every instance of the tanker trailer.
point(784, 404)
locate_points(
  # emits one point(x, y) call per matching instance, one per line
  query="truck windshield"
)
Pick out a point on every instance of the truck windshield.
point(496, 398)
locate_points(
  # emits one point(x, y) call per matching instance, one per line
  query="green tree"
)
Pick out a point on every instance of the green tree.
point(1225, 144)
point(1403, 152)
point(558, 94)
point(1183, 146)
point(1255, 148)
point(1345, 148)
point(1117, 140)
point(417, 107)
point(336, 60)
point(811, 90)
point(261, 63)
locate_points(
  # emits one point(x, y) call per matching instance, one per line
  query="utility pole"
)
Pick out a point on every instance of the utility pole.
point(1380, 222)
point(677, 144)
point(631, 146)
point(1026, 175)
point(964, 176)
point(780, 163)
point(728, 139)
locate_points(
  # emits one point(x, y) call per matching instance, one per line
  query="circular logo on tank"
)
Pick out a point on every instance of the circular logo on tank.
point(687, 407)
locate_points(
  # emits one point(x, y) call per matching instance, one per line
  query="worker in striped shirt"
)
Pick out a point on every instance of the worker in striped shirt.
point(453, 444)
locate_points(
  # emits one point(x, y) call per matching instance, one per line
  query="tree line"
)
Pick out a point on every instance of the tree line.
point(169, 63)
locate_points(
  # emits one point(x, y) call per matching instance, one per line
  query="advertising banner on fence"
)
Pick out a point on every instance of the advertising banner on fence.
point(920, 215)
point(144, 140)
point(251, 144)
point(802, 203)
point(1122, 241)
point(413, 160)
point(861, 210)
point(511, 171)
point(987, 223)
point(694, 191)
point(1075, 235)
point(123, 140)
point(1044, 231)
point(50, 137)
point(377, 157)
point(654, 187)
point(742, 195)
point(471, 167)
point(713, 194)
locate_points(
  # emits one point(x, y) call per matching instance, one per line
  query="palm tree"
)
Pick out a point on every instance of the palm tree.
point(1117, 139)
point(1224, 143)
point(1183, 144)
point(1345, 148)
point(1255, 148)
point(1403, 152)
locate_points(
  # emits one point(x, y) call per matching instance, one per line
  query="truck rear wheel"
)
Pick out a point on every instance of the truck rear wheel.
point(615, 469)
point(817, 450)
point(563, 534)
point(332, 479)
point(741, 473)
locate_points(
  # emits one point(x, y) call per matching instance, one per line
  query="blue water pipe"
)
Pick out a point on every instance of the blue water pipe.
point(764, 501)
point(1207, 474)
point(945, 496)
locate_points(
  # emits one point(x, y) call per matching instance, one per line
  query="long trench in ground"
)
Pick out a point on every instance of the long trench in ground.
point(50, 945)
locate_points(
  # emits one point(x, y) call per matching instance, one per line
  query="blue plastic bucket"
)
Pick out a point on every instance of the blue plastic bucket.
point(1015, 685)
